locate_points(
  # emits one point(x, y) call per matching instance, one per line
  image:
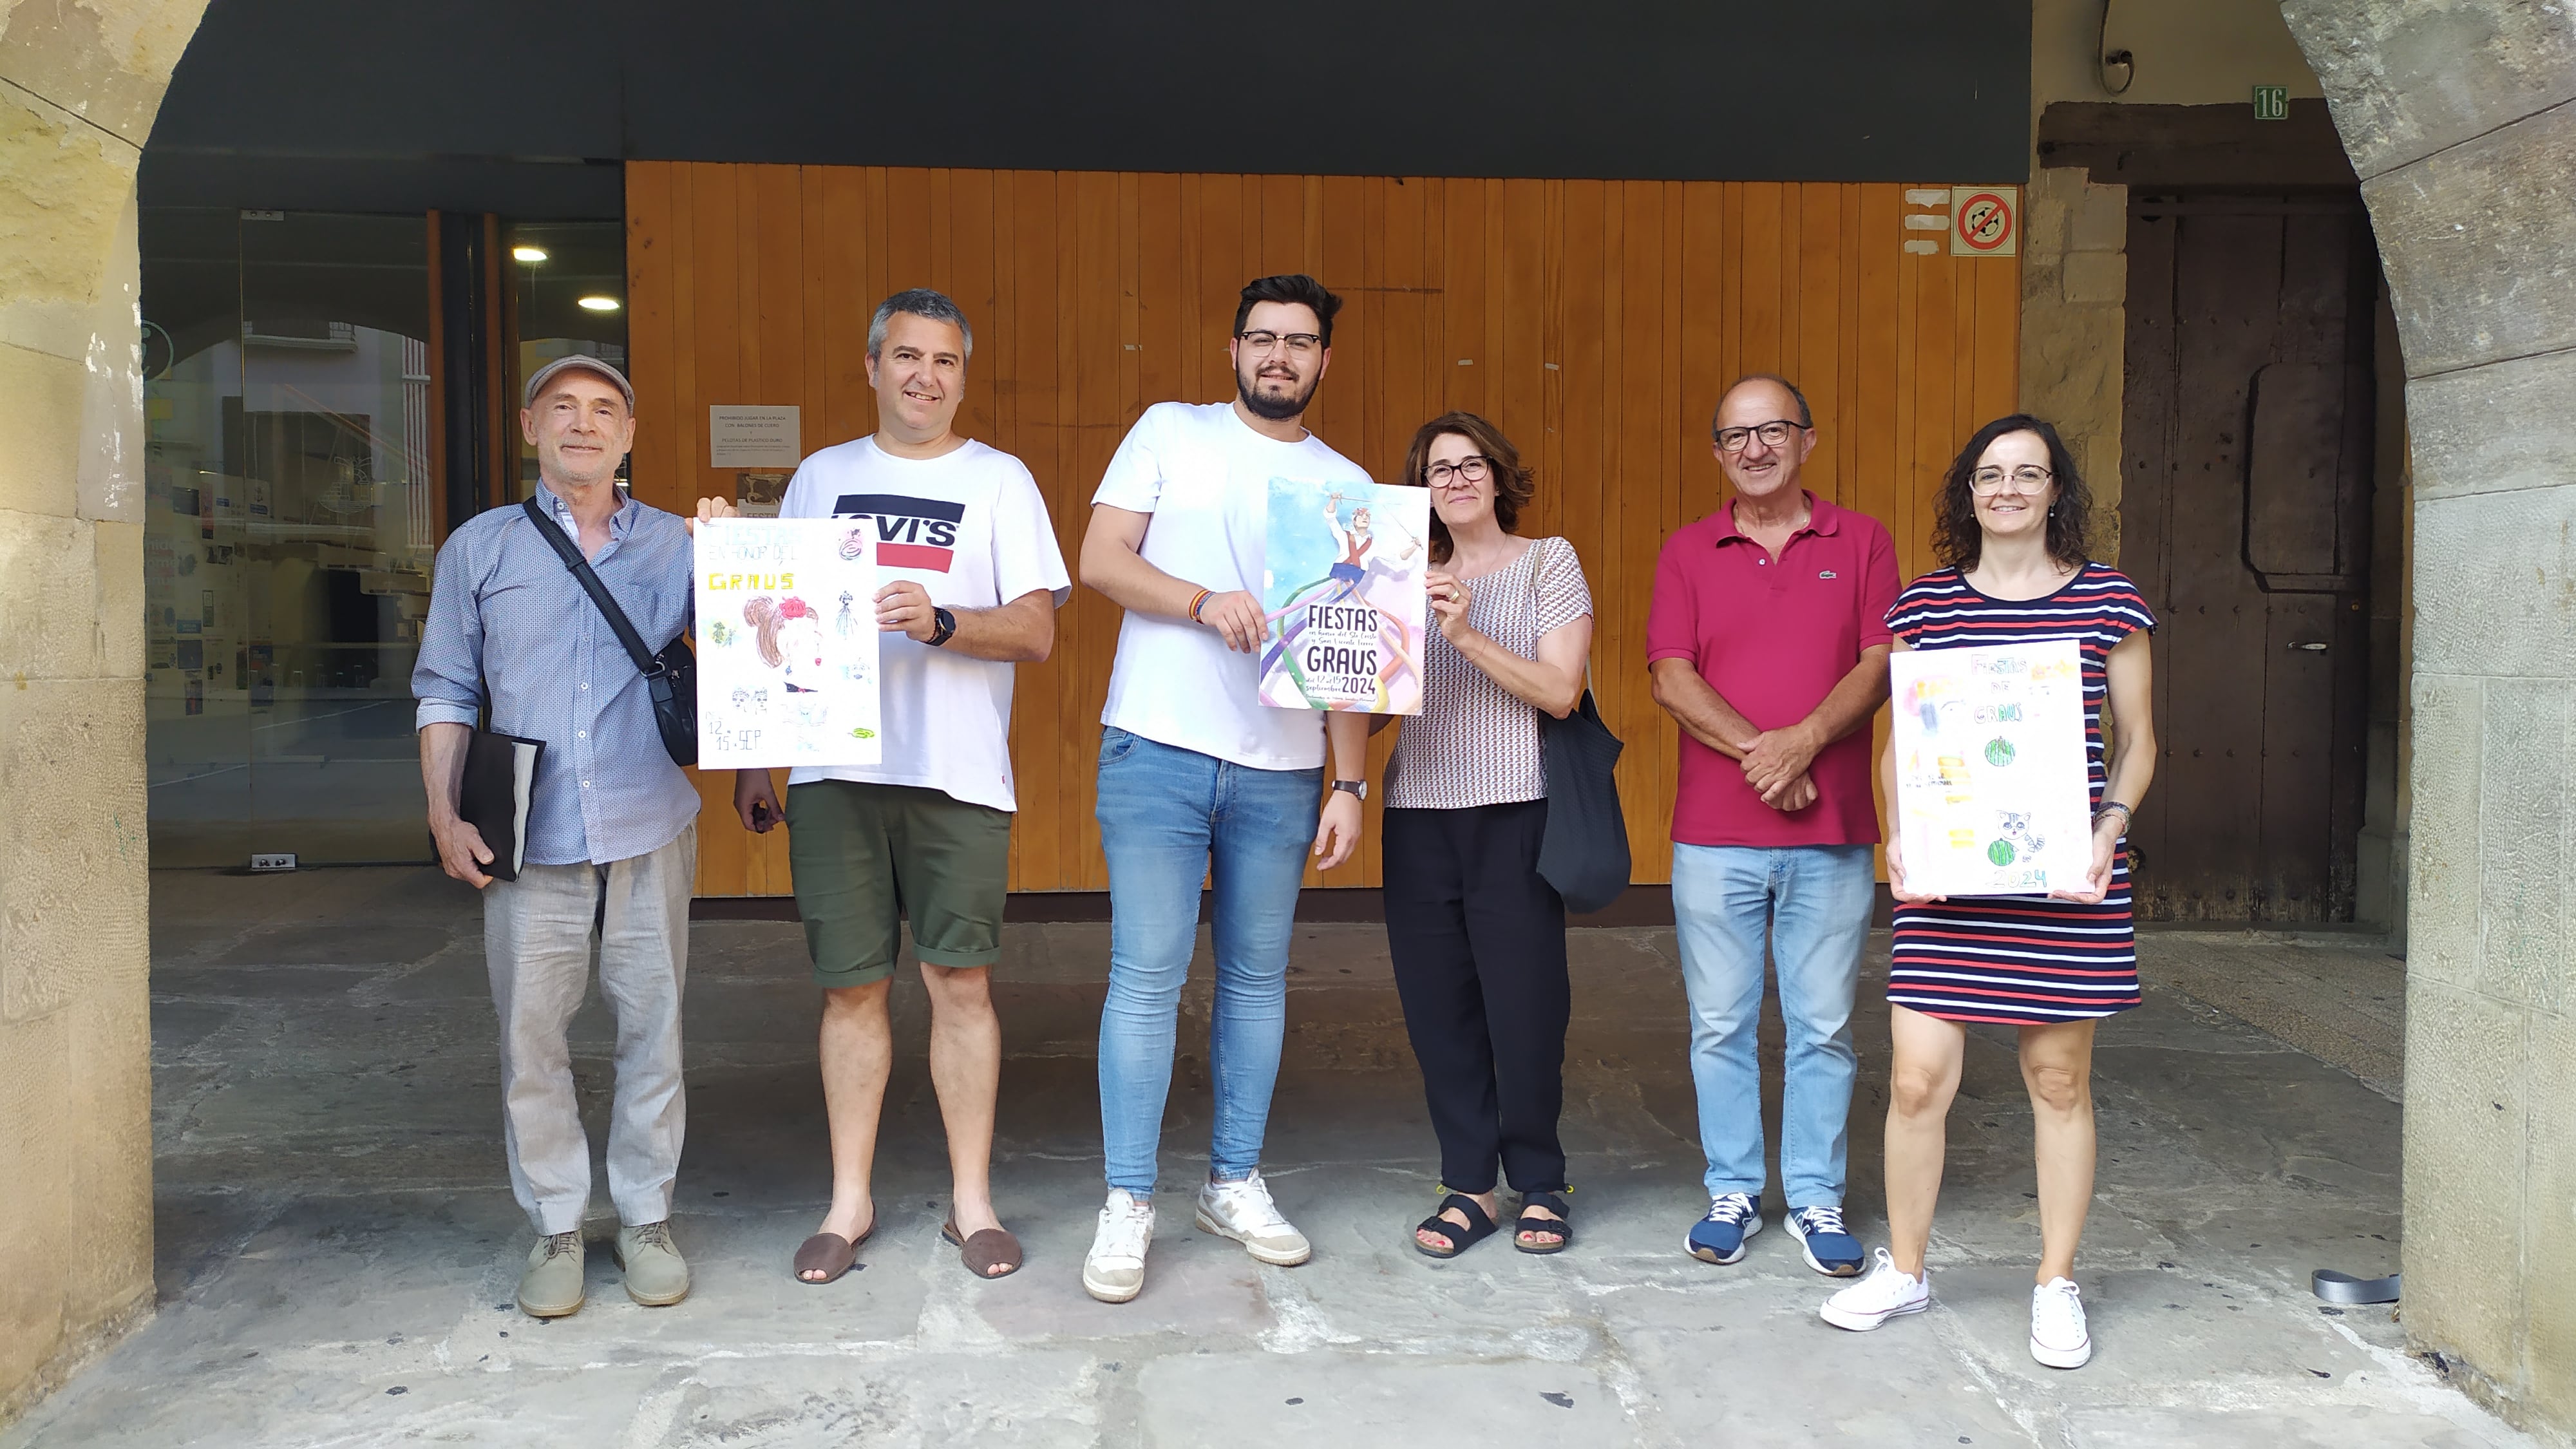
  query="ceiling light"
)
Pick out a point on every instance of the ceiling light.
point(598, 303)
point(528, 254)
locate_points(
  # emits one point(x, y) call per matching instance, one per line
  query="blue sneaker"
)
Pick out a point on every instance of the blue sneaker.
point(1829, 1250)
point(1719, 1237)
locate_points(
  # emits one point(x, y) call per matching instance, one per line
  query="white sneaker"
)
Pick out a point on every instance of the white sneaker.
point(2057, 1335)
point(1884, 1294)
point(1114, 1270)
point(1244, 1212)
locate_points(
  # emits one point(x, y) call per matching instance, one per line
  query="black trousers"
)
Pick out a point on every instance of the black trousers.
point(1478, 941)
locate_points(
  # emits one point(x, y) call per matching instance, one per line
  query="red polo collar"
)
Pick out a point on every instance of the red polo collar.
point(1823, 519)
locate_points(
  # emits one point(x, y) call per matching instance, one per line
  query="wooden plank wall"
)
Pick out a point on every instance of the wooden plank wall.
point(1596, 322)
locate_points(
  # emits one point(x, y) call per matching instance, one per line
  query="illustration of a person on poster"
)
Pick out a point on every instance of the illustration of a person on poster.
point(1363, 573)
point(790, 639)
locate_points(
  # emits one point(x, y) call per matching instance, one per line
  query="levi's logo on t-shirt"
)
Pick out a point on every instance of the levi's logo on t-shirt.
point(912, 533)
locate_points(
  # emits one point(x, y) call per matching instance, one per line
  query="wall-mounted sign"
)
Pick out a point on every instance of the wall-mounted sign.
point(1985, 221)
point(2271, 103)
point(740, 436)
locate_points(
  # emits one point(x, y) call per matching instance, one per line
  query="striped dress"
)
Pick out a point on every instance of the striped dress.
point(2023, 960)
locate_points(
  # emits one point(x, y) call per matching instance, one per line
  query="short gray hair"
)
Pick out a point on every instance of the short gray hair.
point(917, 302)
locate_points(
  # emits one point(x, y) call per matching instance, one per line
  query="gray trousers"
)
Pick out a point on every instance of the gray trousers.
point(536, 939)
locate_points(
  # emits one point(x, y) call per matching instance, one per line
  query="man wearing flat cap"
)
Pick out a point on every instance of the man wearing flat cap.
point(611, 837)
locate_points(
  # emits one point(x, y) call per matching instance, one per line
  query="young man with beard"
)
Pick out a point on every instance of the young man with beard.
point(972, 579)
point(1199, 779)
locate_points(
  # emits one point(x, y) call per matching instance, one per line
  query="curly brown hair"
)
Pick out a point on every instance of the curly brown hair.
point(1958, 540)
point(1514, 485)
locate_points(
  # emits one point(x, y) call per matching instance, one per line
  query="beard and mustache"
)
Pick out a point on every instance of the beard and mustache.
point(1276, 407)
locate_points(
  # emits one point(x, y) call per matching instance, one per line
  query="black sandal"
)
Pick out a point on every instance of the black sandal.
point(1561, 1225)
point(1480, 1226)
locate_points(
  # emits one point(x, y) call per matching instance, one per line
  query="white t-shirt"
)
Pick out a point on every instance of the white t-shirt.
point(1205, 476)
point(970, 527)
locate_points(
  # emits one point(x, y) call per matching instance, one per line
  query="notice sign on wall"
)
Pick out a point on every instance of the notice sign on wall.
point(1985, 221)
point(745, 436)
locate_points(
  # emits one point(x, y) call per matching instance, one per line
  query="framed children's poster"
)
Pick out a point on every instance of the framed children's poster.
point(787, 643)
point(1991, 796)
point(1343, 597)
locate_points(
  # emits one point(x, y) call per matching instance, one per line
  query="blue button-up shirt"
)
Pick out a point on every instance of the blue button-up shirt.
point(507, 616)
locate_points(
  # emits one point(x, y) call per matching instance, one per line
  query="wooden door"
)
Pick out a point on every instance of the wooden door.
point(2245, 518)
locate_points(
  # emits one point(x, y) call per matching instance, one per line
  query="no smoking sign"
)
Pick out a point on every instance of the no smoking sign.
point(1985, 221)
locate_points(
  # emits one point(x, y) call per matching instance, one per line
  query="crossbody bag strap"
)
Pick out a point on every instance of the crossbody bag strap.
point(590, 584)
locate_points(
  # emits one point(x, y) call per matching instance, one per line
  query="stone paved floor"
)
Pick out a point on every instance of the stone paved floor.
point(337, 1246)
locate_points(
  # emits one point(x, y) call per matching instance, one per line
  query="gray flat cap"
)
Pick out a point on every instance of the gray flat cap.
point(584, 362)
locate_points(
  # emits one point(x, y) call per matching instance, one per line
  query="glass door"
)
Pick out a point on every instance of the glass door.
point(291, 536)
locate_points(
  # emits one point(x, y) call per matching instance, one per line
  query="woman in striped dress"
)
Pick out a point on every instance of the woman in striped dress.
point(2011, 526)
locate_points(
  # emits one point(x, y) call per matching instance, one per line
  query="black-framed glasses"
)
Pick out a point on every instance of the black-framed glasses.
point(1773, 434)
point(1475, 468)
point(2028, 478)
point(1262, 344)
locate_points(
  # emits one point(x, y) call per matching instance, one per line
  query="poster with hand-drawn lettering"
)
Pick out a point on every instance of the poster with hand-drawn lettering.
point(787, 643)
point(1990, 782)
point(1343, 598)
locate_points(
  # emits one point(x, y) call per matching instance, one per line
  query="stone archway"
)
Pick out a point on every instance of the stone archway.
point(80, 81)
point(2460, 116)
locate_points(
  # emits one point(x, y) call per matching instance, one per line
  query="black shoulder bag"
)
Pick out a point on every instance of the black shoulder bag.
point(1584, 850)
point(671, 675)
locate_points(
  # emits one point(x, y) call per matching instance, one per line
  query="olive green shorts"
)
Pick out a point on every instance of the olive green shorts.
point(866, 857)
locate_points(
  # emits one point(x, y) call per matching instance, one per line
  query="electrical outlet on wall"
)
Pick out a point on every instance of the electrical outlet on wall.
point(273, 860)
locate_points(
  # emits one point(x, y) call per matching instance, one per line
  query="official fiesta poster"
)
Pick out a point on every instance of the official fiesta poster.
point(1342, 596)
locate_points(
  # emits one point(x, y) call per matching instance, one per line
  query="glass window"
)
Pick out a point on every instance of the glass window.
point(567, 295)
point(289, 532)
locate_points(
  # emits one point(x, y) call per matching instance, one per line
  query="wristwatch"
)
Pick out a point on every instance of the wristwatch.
point(943, 627)
point(1355, 787)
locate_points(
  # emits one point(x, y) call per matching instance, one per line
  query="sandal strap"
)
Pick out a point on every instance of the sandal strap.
point(1552, 1201)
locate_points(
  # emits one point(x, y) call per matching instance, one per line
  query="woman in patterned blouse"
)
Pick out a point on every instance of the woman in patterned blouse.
point(1476, 935)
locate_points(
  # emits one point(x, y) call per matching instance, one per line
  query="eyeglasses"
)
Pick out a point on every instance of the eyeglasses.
point(1773, 434)
point(1475, 468)
point(2028, 478)
point(1262, 344)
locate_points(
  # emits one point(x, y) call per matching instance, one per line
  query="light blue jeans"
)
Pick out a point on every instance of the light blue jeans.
point(1168, 819)
point(1812, 904)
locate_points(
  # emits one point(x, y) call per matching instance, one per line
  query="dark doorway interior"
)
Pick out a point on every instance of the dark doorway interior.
point(2245, 516)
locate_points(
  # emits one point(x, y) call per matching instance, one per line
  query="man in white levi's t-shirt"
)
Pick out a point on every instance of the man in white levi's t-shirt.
point(971, 579)
point(1198, 777)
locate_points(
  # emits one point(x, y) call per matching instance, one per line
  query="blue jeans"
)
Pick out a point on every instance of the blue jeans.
point(1169, 818)
point(1812, 902)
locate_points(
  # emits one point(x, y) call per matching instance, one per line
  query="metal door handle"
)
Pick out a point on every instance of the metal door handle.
point(2311, 648)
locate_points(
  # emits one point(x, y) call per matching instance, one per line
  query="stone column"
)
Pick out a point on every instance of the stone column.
point(2460, 116)
point(2074, 325)
point(79, 83)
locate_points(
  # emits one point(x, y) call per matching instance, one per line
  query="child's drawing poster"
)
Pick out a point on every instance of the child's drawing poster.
point(1990, 785)
point(1342, 593)
point(787, 643)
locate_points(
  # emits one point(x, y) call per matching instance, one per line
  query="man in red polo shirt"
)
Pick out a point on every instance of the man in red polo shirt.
point(1768, 641)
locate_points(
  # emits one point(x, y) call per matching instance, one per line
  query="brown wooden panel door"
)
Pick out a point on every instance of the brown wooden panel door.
point(2245, 517)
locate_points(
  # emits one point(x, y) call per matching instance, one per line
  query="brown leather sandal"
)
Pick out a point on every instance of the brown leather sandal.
point(989, 1249)
point(830, 1252)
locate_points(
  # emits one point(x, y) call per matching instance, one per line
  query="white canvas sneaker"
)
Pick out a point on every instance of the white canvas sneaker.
point(1114, 1270)
point(1244, 1212)
point(2057, 1334)
point(1884, 1294)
